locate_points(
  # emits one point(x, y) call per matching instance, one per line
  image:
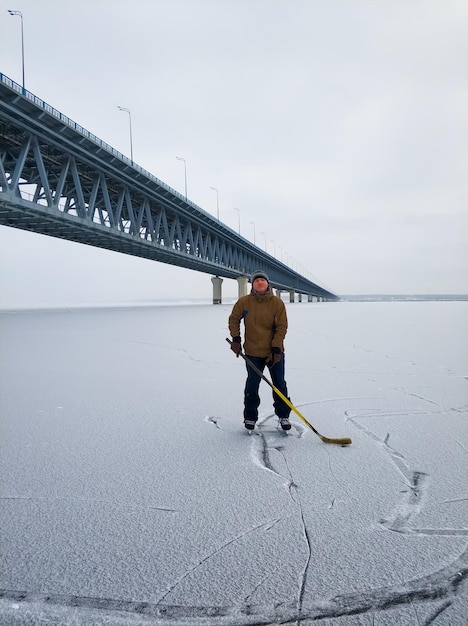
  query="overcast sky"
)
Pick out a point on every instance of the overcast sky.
point(339, 128)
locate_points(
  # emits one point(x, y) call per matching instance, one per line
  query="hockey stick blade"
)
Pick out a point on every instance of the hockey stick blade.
point(341, 441)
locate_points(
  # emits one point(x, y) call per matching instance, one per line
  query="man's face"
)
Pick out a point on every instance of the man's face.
point(260, 285)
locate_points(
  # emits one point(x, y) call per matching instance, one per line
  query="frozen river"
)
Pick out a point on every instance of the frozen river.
point(132, 494)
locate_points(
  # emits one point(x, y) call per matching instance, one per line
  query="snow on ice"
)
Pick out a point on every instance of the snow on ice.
point(132, 494)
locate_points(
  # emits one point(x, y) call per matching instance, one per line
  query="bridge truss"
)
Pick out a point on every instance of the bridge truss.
point(58, 179)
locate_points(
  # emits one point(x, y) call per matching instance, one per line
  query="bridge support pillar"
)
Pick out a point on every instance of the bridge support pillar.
point(299, 297)
point(217, 282)
point(310, 298)
point(291, 295)
point(242, 286)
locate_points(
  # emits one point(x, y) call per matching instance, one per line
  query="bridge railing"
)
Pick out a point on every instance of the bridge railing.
point(92, 137)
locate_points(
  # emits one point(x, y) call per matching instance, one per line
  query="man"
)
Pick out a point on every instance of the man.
point(265, 326)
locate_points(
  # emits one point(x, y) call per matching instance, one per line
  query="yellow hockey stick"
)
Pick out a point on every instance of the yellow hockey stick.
point(343, 441)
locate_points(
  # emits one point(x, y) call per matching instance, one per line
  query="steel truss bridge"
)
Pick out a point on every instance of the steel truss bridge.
point(58, 179)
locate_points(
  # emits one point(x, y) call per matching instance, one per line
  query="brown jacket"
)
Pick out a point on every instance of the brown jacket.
point(265, 323)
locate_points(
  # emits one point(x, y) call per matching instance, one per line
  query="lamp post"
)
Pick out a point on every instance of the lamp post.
point(253, 224)
point(130, 124)
point(22, 38)
point(274, 247)
point(281, 253)
point(185, 173)
point(217, 200)
point(238, 218)
point(265, 240)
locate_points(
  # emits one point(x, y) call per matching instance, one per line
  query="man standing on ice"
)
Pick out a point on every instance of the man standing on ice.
point(265, 326)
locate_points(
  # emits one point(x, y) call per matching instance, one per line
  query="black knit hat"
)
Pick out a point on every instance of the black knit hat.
point(259, 274)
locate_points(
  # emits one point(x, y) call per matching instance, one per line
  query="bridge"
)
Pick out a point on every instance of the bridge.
point(58, 179)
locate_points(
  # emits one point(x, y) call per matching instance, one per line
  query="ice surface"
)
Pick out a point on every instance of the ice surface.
point(132, 494)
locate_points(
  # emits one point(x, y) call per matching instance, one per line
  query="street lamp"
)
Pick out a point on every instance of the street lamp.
point(253, 224)
point(274, 247)
point(22, 37)
point(217, 200)
point(185, 173)
point(265, 241)
point(281, 253)
point(130, 123)
point(238, 218)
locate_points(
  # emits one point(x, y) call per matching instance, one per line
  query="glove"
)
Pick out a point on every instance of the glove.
point(236, 346)
point(275, 357)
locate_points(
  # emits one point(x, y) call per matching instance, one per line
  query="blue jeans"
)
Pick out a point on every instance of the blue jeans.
point(251, 397)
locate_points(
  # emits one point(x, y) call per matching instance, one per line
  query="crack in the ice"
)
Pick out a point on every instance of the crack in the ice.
point(336, 480)
point(172, 349)
point(292, 490)
point(414, 395)
point(461, 445)
point(305, 570)
point(333, 502)
point(410, 505)
point(410, 599)
point(261, 456)
point(440, 585)
point(455, 500)
point(265, 525)
point(435, 614)
point(90, 501)
point(377, 413)
point(255, 589)
point(213, 420)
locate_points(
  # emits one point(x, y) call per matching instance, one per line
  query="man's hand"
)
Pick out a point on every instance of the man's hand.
point(275, 357)
point(236, 346)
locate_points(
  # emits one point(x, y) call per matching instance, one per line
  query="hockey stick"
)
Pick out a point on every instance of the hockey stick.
point(344, 441)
